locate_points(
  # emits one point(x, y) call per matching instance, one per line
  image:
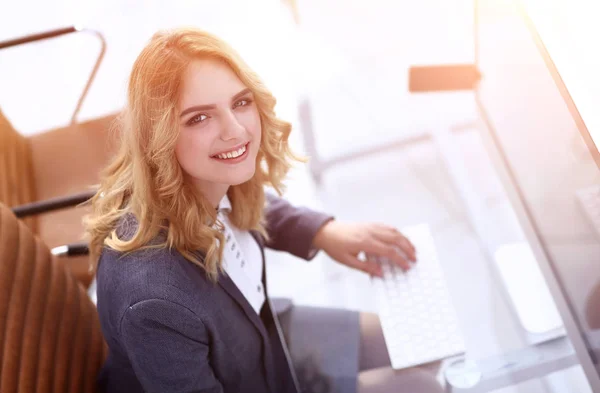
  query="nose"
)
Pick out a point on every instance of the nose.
point(231, 129)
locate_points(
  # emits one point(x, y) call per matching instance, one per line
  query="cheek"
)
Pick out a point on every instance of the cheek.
point(191, 150)
point(254, 126)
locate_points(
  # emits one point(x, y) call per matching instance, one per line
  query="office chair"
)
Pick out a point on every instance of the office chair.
point(57, 162)
point(50, 337)
point(54, 164)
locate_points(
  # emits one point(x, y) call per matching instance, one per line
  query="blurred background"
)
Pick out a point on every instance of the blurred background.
point(339, 70)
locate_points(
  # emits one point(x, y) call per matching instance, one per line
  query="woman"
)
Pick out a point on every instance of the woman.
point(178, 228)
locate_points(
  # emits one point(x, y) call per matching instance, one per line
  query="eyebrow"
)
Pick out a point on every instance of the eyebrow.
point(212, 106)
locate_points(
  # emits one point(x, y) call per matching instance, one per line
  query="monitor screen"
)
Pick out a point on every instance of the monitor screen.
point(550, 160)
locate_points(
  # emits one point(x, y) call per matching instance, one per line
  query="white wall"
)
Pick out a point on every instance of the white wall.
point(346, 49)
point(40, 83)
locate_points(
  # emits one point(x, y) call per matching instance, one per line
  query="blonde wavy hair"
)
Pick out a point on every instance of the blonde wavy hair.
point(145, 178)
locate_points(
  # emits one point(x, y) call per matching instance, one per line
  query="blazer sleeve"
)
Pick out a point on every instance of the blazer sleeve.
point(292, 228)
point(167, 345)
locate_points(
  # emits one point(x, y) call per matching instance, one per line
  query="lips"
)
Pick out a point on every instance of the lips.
point(232, 154)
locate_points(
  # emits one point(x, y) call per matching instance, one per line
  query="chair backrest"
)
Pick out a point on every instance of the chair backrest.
point(16, 168)
point(61, 162)
point(50, 337)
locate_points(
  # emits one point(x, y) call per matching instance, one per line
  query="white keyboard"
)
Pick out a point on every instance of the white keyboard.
point(418, 319)
point(590, 200)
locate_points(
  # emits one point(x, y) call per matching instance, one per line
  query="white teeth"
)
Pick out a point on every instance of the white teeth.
point(232, 154)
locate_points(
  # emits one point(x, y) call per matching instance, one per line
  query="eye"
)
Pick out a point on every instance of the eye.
point(197, 119)
point(242, 102)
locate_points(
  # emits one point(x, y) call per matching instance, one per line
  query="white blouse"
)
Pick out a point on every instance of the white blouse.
point(242, 259)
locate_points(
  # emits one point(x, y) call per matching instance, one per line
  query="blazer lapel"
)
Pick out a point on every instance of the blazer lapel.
point(232, 290)
point(279, 344)
point(228, 285)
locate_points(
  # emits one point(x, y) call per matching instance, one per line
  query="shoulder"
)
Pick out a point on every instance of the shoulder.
point(147, 280)
point(147, 269)
point(128, 278)
point(161, 273)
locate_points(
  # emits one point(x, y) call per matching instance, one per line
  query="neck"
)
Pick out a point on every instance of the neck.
point(213, 192)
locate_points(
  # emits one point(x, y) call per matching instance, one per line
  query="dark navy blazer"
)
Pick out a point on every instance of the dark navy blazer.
point(170, 329)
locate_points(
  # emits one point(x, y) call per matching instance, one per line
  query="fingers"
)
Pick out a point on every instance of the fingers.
point(386, 250)
point(391, 235)
point(369, 266)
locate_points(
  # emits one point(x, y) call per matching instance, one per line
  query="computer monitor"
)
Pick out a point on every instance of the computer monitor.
point(550, 163)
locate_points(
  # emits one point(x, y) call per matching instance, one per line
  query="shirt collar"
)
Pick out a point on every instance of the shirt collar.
point(224, 205)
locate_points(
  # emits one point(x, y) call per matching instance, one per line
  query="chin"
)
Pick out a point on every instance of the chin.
point(242, 177)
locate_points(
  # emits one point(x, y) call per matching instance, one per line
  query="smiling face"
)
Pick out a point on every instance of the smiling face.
point(220, 128)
